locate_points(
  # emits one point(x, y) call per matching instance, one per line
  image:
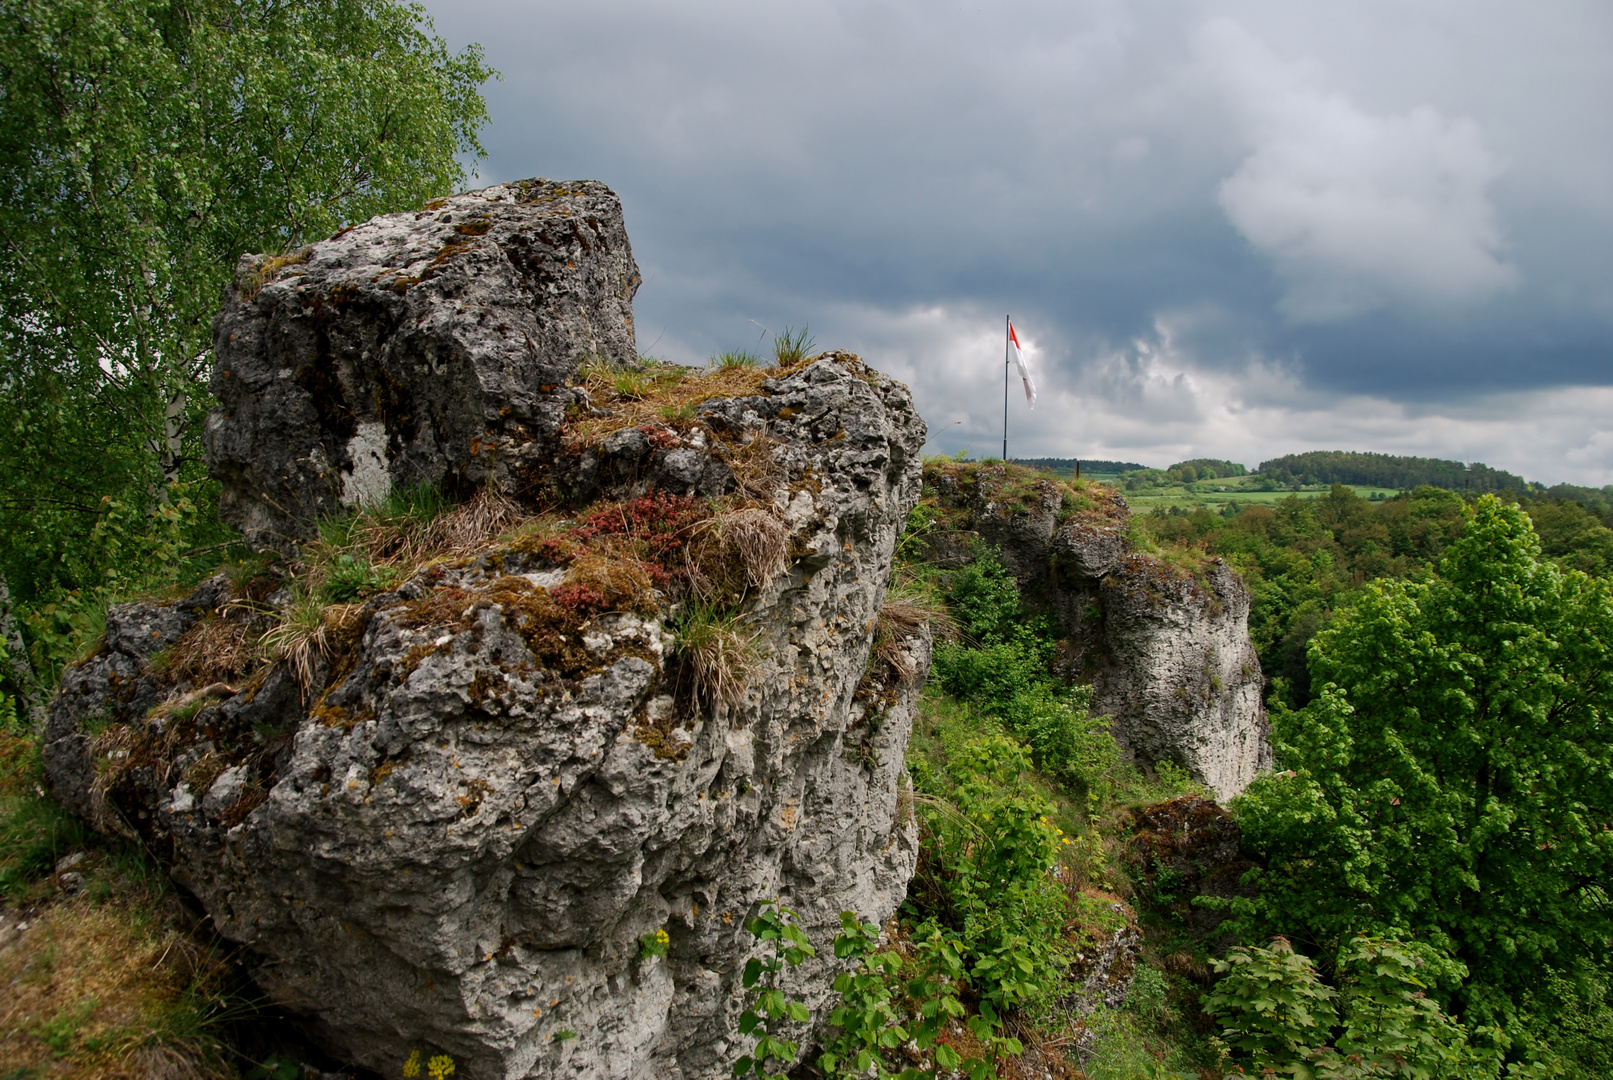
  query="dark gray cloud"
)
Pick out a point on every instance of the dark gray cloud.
point(1236, 229)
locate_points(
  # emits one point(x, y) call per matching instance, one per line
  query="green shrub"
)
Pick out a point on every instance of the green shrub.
point(1451, 777)
point(992, 674)
point(985, 599)
point(770, 1009)
point(992, 849)
point(8, 703)
point(1066, 742)
point(1278, 1015)
point(889, 1003)
point(1273, 1007)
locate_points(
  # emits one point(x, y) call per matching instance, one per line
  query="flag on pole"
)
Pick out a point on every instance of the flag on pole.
point(1016, 351)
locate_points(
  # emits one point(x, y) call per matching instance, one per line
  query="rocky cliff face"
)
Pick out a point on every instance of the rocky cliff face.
point(1167, 651)
point(443, 814)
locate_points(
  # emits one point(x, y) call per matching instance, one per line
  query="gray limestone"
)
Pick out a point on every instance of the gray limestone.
point(459, 843)
point(434, 347)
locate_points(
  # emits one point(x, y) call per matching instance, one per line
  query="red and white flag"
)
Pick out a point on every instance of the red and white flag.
point(1017, 353)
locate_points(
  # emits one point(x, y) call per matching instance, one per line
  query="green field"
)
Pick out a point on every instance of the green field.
point(1216, 494)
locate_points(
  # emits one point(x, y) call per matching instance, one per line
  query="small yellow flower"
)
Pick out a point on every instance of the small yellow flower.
point(663, 937)
point(411, 1068)
point(440, 1066)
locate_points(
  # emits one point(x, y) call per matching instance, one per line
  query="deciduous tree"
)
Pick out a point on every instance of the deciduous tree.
point(1452, 781)
point(144, 146)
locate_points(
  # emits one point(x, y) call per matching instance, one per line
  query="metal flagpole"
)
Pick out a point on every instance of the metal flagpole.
point(1007, 322)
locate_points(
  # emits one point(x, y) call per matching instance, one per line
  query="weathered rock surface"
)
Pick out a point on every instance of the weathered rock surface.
point(1168, 654)
point(494, 783)
point(426, 348)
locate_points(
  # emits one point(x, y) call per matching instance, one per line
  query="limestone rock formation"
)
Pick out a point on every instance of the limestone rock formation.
point(1168, 653)
point(422, 348)
point(445, 813)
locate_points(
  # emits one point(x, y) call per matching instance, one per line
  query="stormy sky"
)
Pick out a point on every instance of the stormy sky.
point(1223, 229)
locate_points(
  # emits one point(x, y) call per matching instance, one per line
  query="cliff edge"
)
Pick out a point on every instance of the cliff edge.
point(1166, 648)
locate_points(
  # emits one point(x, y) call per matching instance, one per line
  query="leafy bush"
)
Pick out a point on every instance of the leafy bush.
point(8, 703)
point(1065, 741)
point(992, 674)
point(889, 1004)
point(1007, 673)
point(1452, 776)
point(992, 855)
point(1278, 1014)
point(770, 1010)
point(1273, 1006)
point(985, 599)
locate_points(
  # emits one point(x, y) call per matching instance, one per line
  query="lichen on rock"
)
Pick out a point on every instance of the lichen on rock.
point(441, 813)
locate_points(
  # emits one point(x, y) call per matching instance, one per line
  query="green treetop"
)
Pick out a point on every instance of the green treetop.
point(1452, 781)
point(144, 146)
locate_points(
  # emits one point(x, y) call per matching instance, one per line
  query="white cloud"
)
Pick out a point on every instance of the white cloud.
point(898, 173)
point(1357, 210)
point(1150, 401)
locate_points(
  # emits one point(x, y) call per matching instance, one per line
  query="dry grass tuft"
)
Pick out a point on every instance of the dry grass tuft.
point(757, 472)
point(305, 635)
point(471, 525)
point(111, 751)
point(98, 991)
point(406, 541)
point(166, 1061)
point(656, 393)
point(220, 648)
point(733, 551)
point(269, 269)
point(760, 540)
point(898, 621)
point(719, 658)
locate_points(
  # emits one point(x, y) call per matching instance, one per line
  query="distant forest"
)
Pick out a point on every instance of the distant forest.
point(1088, 465)
point(1348, 467)
point(1388, 470)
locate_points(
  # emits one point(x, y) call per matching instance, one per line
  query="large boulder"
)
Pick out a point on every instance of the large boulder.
point(434, 348)
point(446, 816)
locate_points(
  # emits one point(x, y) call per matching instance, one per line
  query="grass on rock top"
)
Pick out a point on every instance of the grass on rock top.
point(654, 394)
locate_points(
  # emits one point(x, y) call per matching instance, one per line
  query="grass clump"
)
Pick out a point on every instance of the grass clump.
point(735, 359)
point(719, 657)
point(305, 635)
point(35, 832)
point(268, 269)
point(792, 347)
point(104, 977)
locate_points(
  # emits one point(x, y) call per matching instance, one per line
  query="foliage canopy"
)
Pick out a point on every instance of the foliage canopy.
point(144, 146)
point(1453, 779)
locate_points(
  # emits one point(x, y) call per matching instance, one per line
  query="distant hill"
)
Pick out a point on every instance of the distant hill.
point(1388, 470)
point(1205, 468)
point(1088, 465)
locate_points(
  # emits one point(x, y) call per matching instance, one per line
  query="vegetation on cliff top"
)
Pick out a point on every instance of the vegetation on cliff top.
point(1435, 844)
